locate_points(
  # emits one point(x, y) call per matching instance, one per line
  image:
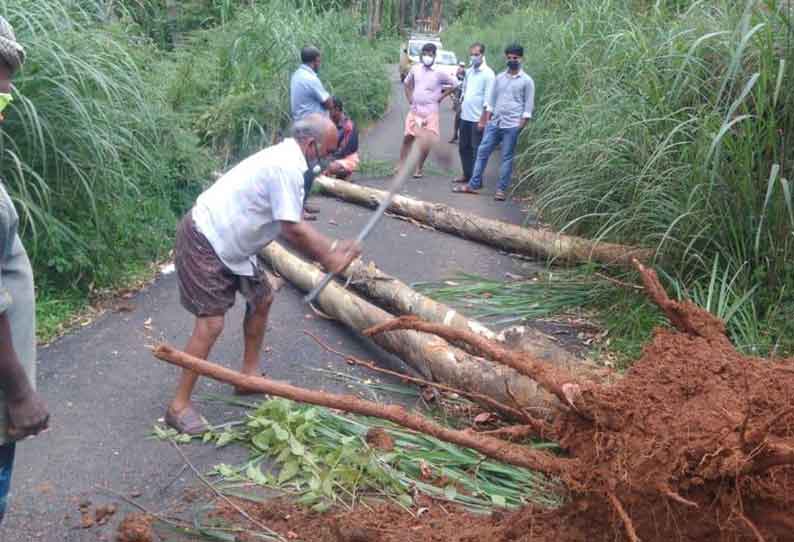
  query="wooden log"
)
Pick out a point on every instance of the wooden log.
point(489, 446)
point(398, 298)
point(559, 248)
point(430, 356)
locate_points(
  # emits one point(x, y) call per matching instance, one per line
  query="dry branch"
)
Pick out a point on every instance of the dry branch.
point(510, 237)
point(488, 446)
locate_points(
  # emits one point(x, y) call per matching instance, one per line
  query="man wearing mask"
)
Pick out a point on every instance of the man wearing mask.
point(22, 412)
point(507, 111)
point(424, 89)
point(218, 242)
point(477, 86)
point(308, 96)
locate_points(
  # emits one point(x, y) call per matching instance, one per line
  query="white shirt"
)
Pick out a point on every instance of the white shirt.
point(477, 87)
point(240, 214)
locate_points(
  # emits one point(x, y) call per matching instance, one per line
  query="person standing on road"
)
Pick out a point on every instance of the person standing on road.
point(308, 96)
point(425, 90)
point(457, 96)
point(477, 86)
point(22, 412)
point(345, 158)
point(219, 240)
point(507, 111)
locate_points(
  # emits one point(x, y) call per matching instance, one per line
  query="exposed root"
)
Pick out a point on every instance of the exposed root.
point(684, 315)
point(624, 517)
point(758, 536)
point(673, 496)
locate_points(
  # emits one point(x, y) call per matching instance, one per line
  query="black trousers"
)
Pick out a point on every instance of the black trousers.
point(468, 141)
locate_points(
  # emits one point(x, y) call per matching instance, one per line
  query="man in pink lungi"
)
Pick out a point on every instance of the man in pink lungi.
point(425, 88)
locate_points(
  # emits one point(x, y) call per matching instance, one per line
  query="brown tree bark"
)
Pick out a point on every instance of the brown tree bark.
point(533, 242)
point(398, 298)
point(430, 356)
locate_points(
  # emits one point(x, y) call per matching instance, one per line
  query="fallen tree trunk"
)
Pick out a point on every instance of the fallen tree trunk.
point(430, 356)
point(489, 446)
point(509, 237)
point(398, 298)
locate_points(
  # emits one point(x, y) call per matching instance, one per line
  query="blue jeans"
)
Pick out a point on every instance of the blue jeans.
point(490, 139)
point(6, 467)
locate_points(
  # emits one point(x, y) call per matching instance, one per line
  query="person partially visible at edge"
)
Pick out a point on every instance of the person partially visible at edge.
point(425, 89)
point(508, 108)
point(457, 96)
point(345, 158)
point(477, 85)
point(22, 412)
point(308, 96)
point(219, 240)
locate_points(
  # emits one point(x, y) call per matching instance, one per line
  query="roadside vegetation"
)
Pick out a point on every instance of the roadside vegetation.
point(665, 124)
point(122, 115)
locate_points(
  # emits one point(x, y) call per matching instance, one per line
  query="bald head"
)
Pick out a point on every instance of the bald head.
point(315, 129)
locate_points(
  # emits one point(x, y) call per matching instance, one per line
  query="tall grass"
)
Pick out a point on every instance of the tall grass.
point(88, 152)
point(235, 77)
point(111, 135)
point(668, 124)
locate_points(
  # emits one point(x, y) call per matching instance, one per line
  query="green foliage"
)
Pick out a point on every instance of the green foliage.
point(235, 78)
point(112, 135)
point(667, 124)
point(324, 457)
point(89, 153)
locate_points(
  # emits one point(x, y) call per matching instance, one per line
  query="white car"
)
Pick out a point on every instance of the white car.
point(447, 62)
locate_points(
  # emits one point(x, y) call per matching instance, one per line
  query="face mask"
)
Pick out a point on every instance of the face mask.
point(428, 60)
point(513, 64)
point(5, 99)
point(316, 166)
point(476, 61)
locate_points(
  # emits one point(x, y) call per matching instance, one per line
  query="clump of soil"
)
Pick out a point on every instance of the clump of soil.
point(135, 528)
point(377, 522)
point(695, 443)
point(379, 439)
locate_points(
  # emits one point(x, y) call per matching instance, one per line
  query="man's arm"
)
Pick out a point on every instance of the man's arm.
point(491, 94)
point(333, 256)
point(27, 414)
point(529, 103)
point(408, 86)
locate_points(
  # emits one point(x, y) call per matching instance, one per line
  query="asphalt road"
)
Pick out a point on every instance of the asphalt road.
point(106, 391)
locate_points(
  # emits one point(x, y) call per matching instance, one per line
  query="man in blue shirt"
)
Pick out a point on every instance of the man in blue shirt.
point(306, 92)
point(308, 96)
point(477, 86)
point(507, 110)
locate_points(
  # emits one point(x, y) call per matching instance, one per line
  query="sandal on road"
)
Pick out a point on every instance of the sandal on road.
point(460, 180)
point(465, 189)
point(419, 174)
point(499, 196)
point(189, 421)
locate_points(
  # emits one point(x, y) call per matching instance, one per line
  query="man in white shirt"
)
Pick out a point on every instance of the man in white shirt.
point(477, 85)
point(218, 243)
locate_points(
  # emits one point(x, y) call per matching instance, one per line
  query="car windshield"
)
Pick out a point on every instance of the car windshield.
point(446, 57)
point(415, 47)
